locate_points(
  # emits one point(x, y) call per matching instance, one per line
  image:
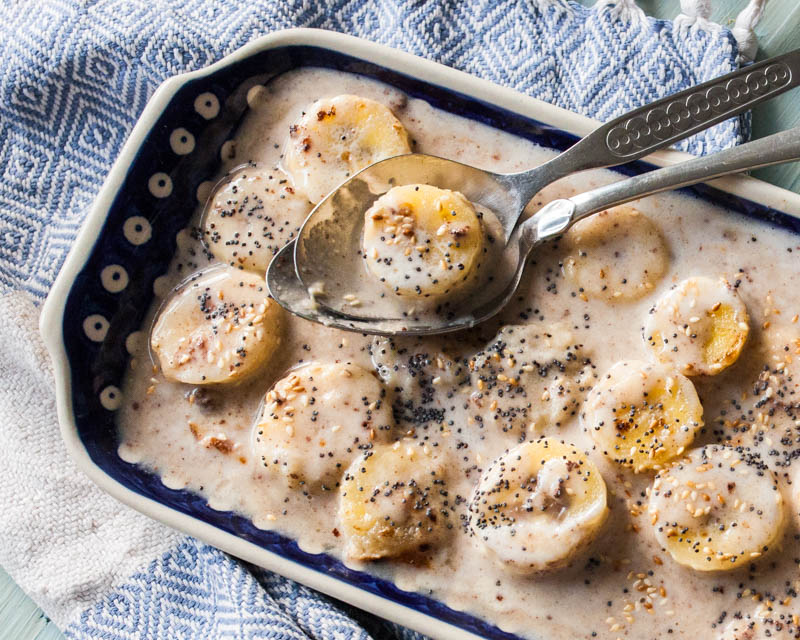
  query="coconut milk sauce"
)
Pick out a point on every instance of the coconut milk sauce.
point(624, 585)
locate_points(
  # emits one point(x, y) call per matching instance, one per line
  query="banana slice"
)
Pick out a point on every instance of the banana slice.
point(393, 501)
point(713, 512)
point(618, 254)
point(219, 327)
point(642, 414)
point(251, 216)
point(775, 621)
point(699, 326)
point(538, 505)
point(317, 419)
point(423, 242)
point(336, 138)
point(529, 377)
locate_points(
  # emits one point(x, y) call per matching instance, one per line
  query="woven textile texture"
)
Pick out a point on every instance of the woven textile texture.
point(75, 75)
point(196, 592)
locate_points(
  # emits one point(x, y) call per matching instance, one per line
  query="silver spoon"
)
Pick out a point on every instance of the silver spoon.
point(329, 242)
point(328, 246)
point(547, 224)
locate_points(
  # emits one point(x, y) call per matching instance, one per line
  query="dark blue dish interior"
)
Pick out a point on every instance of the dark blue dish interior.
point(97, 367)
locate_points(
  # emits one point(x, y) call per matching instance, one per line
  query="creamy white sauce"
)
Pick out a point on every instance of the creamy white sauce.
point(624, 585)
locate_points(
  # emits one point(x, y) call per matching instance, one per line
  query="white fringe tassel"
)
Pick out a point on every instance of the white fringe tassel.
point(697, 14)
point(696, 8)
point(623, 9)
point(744, 32)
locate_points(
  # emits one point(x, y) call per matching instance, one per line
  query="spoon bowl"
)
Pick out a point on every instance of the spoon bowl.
point(334, 228)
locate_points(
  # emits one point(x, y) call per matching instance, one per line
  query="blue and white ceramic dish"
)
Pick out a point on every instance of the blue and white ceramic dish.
point(106, 286)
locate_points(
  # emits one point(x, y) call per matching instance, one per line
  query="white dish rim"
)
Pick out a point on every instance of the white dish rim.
point(52, 316)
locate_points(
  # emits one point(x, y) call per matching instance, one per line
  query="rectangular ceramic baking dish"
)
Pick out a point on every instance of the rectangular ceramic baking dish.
point(88, 318)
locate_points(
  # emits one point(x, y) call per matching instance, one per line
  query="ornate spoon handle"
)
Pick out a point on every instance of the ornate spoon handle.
point(666, 121)
point(683, 114)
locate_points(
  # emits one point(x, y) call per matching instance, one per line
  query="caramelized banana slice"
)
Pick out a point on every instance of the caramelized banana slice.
point(336, 138)
point(642, 414)
point(317, 419)
point(251, 216)
point(618, 254)
point(393, 501)
point(699, 326)
point(538, 505)
point(218, 327)
point(423, 242)
point(712, 512)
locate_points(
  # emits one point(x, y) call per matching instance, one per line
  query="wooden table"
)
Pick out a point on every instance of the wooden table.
point(778, 32)
point(20, 618)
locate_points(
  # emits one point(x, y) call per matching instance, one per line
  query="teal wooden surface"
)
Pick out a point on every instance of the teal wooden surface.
point(778, 32)
point(20, 618)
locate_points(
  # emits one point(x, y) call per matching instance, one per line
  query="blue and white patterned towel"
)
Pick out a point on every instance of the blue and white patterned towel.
point(74, 76)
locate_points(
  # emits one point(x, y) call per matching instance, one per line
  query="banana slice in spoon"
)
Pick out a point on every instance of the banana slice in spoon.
point(422, 242)
point(218, 327)
point(538, 505)
point(713, 512)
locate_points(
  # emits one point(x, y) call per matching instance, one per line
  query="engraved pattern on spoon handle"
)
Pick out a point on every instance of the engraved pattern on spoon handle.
point(675, 117)
point(666, 121)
